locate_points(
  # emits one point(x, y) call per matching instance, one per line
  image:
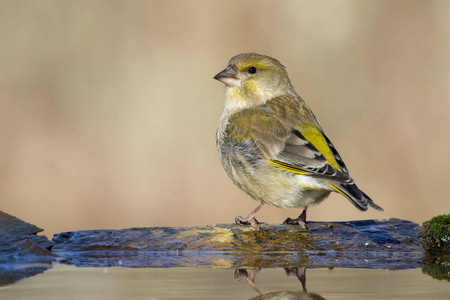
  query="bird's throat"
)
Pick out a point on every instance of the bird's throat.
point(234, 100)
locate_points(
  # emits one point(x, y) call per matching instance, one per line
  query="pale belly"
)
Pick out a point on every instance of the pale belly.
point(277, 187)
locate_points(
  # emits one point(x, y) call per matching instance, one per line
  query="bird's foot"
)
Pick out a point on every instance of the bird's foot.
point(301, 220)
point(249, 220)
point(295, 222)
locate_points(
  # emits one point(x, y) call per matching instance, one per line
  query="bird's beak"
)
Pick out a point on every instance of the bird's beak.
point(229, 76)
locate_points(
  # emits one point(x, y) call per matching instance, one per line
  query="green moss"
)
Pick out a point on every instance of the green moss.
point(437, 233)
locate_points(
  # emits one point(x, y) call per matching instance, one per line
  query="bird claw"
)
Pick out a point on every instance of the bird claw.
point(296, 221)
point(301, 220)
point(244, 221)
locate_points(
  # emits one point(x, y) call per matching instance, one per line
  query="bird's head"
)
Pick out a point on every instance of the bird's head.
point(252, 79)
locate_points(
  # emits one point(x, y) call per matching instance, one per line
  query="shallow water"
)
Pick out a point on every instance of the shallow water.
point(69, 282)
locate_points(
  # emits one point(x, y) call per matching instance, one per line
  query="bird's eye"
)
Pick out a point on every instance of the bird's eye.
point(252, 70)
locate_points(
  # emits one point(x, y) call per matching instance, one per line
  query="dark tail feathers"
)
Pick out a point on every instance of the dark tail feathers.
point(357, 197)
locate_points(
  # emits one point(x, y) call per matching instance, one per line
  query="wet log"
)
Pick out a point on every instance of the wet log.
point(386, 243)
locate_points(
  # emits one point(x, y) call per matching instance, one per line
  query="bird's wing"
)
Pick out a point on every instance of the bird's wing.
point(289, 138)
point(301, 156)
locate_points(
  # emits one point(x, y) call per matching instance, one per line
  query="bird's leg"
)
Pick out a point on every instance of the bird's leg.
point(301, 220)
point(250, 218)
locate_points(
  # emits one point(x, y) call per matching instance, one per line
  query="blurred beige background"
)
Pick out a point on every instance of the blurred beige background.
point(108, 109)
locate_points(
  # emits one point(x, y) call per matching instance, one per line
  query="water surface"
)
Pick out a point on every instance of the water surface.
point(69, 282)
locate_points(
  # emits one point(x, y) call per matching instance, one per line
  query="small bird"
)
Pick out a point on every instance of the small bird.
point(271, 144)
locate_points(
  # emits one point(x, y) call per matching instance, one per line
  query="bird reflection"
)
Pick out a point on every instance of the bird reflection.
point(300, 273)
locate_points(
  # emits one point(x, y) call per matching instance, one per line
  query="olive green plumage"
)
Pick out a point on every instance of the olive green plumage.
point(270, 143)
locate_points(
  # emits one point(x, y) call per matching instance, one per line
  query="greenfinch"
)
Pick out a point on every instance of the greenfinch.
point(271, 144)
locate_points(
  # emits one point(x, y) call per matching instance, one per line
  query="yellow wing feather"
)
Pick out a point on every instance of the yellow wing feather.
point(287, 167)
point(314, 136)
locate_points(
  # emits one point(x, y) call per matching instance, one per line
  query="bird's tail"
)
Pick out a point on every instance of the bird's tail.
point(357, 197)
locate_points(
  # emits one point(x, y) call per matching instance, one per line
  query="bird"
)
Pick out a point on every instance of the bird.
point(272, 146)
